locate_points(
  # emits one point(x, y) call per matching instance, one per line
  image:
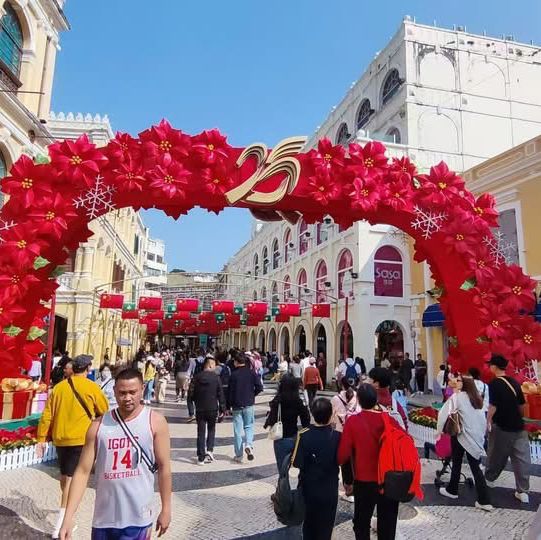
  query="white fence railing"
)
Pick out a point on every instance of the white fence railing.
point(24, 457)
point(424, 434)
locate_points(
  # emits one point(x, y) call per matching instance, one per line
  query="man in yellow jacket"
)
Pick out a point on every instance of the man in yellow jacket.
point(68, 413)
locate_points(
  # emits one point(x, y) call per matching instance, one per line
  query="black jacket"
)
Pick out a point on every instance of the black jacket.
point(244, 385)
point(208, 393)
point(291, 410)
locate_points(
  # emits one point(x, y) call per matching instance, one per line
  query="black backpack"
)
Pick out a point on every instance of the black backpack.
point(225, 375)
point(288, 503)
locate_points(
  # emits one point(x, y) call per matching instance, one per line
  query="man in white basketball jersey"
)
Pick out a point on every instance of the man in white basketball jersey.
point(126, 446)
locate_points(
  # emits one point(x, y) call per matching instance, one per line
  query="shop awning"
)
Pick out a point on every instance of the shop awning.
point(433, 316)
point(537, 313)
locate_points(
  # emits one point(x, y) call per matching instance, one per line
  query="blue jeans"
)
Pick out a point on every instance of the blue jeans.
point(283, 447)
point(243, 420)
point(149, 386)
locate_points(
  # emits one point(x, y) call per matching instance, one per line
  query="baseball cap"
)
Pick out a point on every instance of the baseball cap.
point(81, 362)
point(312, 360)
point(498, 361)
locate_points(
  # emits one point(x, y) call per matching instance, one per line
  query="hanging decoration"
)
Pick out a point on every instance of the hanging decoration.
point(51, 204)
point(223, 306)
point(292, 310)
point(321, 310)
point(132, 314)
point(150, 303)
point(111, 301)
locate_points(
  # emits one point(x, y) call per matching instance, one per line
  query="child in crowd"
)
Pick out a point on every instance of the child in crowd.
point(315, 455)
point(399, 394)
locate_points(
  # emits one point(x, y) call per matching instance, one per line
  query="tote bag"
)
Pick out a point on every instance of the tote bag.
point(276, 432)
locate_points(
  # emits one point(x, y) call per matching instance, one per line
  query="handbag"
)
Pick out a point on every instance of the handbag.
point(276, 432)
point(453, 424)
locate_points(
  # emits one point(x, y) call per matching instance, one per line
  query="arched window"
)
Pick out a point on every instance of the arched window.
point(3, 174)
point(321, 278)
point(304, 234)
point(254, 296)
point(256, 265)
point(287, 246)
point(345, 265)
point(393, 135)
point(342, 136)
point(11, 40)
point(265, 258)
point(287, 289)
point(390, 86)
point(364, 113)
point(302, 282)
point(388, 272)
point(275, 254)
point(264, 294)
point(275, 297)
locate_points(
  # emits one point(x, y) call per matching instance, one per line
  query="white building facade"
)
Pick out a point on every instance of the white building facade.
point(434, 94)
point(154, 268)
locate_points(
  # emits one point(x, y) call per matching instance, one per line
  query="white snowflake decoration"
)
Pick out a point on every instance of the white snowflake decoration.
point(5, 226)
point(428, 222)
point(97, 200)
point(499, 248)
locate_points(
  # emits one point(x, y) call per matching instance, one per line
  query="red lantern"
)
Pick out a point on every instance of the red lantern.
point(150, 303)
point(182, 316)
point(223, 306)
point(187, 304)
point(281, 318)
point(293, 310)
point(321, 310)
point(133, 314)
point(256, 308)
point(156, 315)
point(111, 301)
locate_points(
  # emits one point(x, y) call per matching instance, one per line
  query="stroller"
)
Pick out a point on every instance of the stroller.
point(442, 449)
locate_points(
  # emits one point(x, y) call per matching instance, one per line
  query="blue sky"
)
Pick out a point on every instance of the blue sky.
point(259, 71)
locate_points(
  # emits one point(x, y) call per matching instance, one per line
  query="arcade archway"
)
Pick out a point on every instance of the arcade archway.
point(389, 341)
point(486, 303)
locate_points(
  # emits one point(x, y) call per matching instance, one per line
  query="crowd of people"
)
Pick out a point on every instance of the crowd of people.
point(106, 424)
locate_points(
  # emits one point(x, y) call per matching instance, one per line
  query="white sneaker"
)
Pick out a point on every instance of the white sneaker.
point(522, 497)
point(238, 459)
point(485, 507)
point(199, 462)
point(374, 523)
point(209, 457)
point(347, 498)
point(445, 493)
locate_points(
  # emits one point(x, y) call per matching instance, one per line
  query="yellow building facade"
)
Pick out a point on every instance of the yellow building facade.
point(514, 179)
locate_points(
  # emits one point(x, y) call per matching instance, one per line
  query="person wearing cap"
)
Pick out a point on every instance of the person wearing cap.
point(507, 437)
point(68, 413)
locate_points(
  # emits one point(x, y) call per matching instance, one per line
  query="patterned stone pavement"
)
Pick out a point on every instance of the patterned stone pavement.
point(225, 500)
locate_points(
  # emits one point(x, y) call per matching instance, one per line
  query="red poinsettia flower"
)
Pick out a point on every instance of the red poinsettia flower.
point(171, 180)
point(162, 143)
point(17, 283)
point(27, 182)
point(397, 196)
point(21, 245)
point(365, 194)
point(323, 188)
point(122, 147)
point(369, 161)
point(10, 309)
point(439, 186)
point(496, 319)
point(130, 175)
point(526, 339)
point(402, 170)
point(516, 288)
point(216, 180)
point(482, 264)
point(211, 147)
point(53, 215)
point(460, 238)
point(484, 207)
point(327, 155)
point(484, 297)
point(79, 160)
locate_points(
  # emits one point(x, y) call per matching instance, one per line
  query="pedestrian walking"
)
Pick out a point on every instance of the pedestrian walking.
point(380, 378)
point(507, 438)
point(107, 385)
point(315, 455)
point(244, 386)
point(69, 411)
point(181, 372)
point(35, 370)
point(208, 396)
point(295, 369)
point(321, 364)
point(482, 387)
point(148, 378)
point(405, 371)
point(360, 443)
point(288, 408)
point(420, 373)
point(344, 405)
point(162, 378)
point(126, 448)
point(470, 441)
point(350, 370)
point(312, 381)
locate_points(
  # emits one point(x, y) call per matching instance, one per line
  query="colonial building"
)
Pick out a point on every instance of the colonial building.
point(432, 94)
point(112, 260)
point(154, 267)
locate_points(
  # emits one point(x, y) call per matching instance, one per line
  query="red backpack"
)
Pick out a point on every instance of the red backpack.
point(399, 466)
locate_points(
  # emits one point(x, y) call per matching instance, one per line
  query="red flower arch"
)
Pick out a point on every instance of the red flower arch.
point(487, 304)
